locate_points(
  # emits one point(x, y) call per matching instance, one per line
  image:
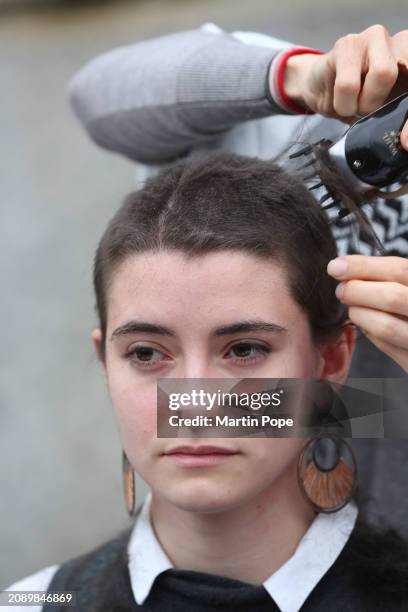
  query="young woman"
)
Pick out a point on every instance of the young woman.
point(217, 269)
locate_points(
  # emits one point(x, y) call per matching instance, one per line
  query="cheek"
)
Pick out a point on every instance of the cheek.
point(275, 454)
point(271, 462)
point(134, 404)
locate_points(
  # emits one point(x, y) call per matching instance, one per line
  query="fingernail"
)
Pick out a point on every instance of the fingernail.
point(340, 289)
point(337, 267)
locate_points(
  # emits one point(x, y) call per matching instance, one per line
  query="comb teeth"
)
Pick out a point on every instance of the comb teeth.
point(334, 202)
point(324, 142)
point(309, 177)
point(343, 213)
point(317, 186)
point(325, 197)
point(330, 205)
point(303, 151)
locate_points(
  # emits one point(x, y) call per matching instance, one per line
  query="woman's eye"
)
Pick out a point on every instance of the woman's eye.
point(144, 356)
point(243, 352)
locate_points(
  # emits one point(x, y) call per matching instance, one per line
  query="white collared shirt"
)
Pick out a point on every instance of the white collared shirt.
point(314, 555)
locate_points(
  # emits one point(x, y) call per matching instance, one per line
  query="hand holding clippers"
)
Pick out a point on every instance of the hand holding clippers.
point(366, 159)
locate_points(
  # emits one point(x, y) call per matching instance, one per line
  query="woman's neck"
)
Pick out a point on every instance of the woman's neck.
point(248, 543)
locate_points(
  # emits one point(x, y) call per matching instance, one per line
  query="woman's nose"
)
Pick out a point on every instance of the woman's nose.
point(197, 368)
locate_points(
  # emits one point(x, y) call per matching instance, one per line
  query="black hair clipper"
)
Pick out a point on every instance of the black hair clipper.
point(368, 157)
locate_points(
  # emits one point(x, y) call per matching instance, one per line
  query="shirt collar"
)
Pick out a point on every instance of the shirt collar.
point(314, 555)
point(147, 559)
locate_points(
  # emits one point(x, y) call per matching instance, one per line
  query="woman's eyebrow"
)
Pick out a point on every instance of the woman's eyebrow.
point(132, 327)
point(141, 326)
point(248, 326)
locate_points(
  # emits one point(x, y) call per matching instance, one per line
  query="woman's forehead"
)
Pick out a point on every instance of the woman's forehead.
point(207, 276)
point(218, 286)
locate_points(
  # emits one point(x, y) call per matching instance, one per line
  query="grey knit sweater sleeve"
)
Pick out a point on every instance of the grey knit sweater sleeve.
point(155, 100)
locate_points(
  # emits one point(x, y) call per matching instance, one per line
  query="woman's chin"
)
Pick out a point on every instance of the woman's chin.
point(204, 497)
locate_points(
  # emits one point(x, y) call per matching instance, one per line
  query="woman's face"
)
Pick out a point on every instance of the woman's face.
point(193, 305)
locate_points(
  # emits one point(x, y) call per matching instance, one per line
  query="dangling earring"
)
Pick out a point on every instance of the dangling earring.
point(327, 489)
point(128, 484)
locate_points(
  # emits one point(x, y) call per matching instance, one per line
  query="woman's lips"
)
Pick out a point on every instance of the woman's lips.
point(196, 456)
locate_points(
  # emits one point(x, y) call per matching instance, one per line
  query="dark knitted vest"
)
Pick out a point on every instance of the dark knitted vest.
point(370, 575)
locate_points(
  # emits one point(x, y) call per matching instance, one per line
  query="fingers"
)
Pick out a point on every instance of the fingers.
point(366, 68)
point(376, 292)
point(348, 59)
point(382, 70)
point(399, 44)
point(398, 354)
point(385, 296)
point(370, 267)
point(381, 326)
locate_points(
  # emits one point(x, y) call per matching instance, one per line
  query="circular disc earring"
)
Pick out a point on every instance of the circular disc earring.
point(327, 487)
point(128, 484)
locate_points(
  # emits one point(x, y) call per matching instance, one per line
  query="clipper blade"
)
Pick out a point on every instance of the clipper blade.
point(309, 151)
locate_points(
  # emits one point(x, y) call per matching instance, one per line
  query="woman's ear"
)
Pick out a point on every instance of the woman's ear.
point(336, 355)
point(96, 337)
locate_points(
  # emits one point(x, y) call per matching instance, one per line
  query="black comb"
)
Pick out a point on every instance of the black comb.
point(329, 199)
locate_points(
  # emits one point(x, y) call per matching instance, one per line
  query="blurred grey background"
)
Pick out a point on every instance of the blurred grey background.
point(60, 469)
